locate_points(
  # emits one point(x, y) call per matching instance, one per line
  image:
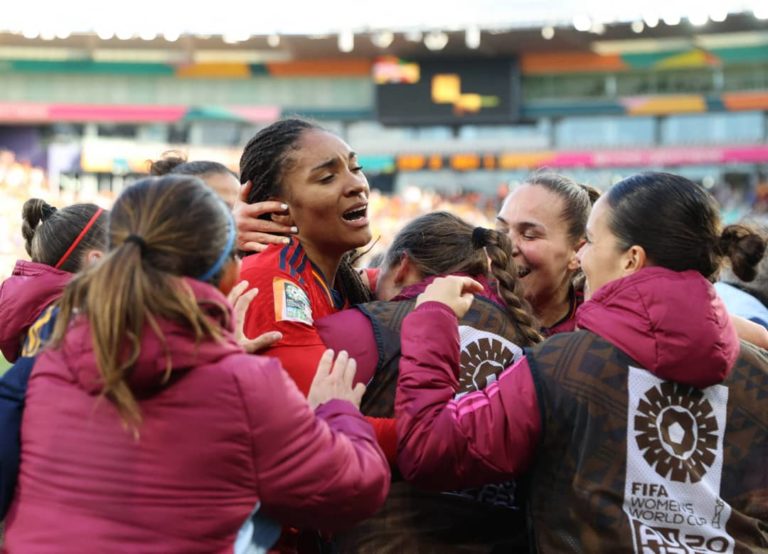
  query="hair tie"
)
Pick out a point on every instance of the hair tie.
point(219, 263)
point(480, 237)
point(47, 211)
point(136, 239)
point(79, 237)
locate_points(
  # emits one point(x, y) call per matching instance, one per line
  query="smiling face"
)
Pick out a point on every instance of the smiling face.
point(327, 193)
point(601, 257)
point(532, 217)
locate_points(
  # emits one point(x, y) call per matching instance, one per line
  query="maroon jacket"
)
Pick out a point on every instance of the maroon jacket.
point(223, 431)
point(672, 324)
point(30, 289)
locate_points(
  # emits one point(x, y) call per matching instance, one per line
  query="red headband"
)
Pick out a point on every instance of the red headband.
point(82, 234)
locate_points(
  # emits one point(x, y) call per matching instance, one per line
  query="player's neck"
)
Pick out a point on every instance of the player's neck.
point(327, 263)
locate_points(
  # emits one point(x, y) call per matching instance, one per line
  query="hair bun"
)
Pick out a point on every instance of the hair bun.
point(744, 247)
point(34, 212)
point(592, 192)
point(167, 163)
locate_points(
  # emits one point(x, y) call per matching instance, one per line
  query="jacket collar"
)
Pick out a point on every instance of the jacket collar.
point(671, 323)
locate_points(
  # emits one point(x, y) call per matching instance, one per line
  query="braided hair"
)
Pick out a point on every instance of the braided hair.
point(441, 243)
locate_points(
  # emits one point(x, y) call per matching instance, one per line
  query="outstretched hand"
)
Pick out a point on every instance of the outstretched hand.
point(333, 380)
point(453, 291)
point(254, 234)
point(240, 301)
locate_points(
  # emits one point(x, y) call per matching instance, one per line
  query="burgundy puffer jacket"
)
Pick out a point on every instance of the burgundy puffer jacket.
point(224, 431)
point(30, 289)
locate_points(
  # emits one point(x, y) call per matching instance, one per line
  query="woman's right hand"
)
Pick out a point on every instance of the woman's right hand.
point(254, 234)
point(453, 291)
point(333, 380)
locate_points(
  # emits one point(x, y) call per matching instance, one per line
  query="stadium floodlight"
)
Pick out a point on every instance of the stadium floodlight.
point(436, 40)
point(346, 41)
point(472, 37)
point(414, 36)
point(698, 18)
point(718, 15)
point(147, 34)
point(105, 33)
point(582, 23)
point(638, 27)
point(548, 32)
point(651, 20)
point(382, 39)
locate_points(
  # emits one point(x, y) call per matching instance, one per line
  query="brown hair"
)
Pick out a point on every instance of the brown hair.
point(160, 229)
point(441, 243)
point(175, 163)
point(677, 223)
point(49, 233)
point(264, 161)
point(577, 199)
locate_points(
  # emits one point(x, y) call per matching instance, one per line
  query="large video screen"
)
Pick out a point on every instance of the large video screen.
point(446, 92)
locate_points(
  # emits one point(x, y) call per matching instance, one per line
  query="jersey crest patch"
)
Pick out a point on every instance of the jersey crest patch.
point(291, 302)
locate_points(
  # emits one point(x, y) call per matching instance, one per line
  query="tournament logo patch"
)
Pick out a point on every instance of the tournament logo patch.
point(676, 432)
point(291, 302)
point(484, 356)
point(675, 439)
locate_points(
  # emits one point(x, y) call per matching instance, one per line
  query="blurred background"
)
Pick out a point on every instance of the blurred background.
point(449, 104)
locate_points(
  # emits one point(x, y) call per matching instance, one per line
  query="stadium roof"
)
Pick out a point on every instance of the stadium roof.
point(235, 18)
point(259, 32)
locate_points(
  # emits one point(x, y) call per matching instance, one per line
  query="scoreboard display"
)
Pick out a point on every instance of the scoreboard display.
point(447, 92)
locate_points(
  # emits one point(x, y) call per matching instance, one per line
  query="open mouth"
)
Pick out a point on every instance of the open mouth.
point(356, 214)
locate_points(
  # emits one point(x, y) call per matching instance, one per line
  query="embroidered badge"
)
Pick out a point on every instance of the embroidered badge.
point(291, 302)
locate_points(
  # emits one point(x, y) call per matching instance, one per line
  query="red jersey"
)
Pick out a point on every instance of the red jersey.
point(292, 294)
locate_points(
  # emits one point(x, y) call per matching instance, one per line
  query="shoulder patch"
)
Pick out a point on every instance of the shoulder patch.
point(291, 302)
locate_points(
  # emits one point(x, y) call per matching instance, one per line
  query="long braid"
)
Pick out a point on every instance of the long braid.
point(497, 247)
point(350, 282)
point(440, 243)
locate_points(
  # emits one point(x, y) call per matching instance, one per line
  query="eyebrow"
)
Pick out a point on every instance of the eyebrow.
point(530, 225)
point(331, 162)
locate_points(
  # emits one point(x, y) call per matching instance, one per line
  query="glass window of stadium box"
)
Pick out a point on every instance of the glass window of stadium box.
point(619, 131)
point(713, 128)
point(746, 77)
point(639, 83)
point(543, 87)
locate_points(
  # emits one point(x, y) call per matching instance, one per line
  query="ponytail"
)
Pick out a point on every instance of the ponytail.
point(155, 229)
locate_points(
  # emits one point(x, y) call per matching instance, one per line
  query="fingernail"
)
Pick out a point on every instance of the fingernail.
point(284, 206)
point(286, 240)
point(294, 229)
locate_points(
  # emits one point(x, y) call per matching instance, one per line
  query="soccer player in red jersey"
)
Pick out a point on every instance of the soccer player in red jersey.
point(319, 180)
